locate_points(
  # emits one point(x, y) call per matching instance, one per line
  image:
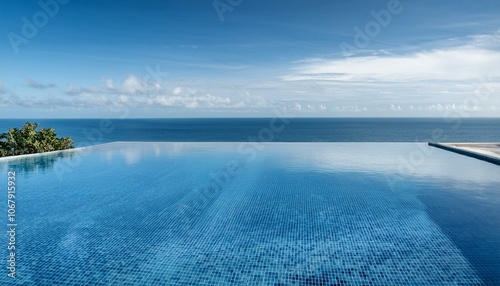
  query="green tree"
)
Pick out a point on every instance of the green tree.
point(28, 140)
point(4, 150)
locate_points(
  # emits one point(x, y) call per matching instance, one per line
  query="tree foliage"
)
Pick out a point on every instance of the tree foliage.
point(28, 140)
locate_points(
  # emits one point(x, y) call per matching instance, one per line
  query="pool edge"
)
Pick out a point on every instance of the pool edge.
point(473, 154)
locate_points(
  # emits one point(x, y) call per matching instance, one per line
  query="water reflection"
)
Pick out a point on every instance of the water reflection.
point(133, 152)
point(416, 160)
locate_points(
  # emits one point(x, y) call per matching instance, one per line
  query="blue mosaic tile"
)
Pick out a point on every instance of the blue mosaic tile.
point(146, 214)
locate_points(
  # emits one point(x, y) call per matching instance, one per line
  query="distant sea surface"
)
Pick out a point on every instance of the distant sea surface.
point(95, 131)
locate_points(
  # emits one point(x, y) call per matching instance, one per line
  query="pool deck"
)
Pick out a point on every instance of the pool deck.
point(489, 152)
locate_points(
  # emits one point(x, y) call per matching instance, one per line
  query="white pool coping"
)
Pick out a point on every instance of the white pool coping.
point(8, 158)
point(489, 152)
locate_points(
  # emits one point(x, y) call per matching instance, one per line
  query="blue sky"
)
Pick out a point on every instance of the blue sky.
point(242, 58)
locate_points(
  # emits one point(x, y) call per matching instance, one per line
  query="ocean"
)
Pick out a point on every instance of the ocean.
point(87, 132)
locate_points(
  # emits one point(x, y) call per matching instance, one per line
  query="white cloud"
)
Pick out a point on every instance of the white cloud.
point(479, 57)
point(451, 72)
point(34, 84)
point(108, 82)
point(350, 108)
point(134, 93)
point(132, 85)
point(177, 90)
point(395, 107)
point(448, 65)
point(429, 82)
point(190, 101)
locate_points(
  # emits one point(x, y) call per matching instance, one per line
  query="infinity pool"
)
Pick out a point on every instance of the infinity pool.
point(254, 214)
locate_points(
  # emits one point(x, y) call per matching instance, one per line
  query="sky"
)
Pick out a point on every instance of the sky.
point(249, 58)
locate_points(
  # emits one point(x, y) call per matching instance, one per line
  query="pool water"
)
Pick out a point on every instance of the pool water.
point(254, 214)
